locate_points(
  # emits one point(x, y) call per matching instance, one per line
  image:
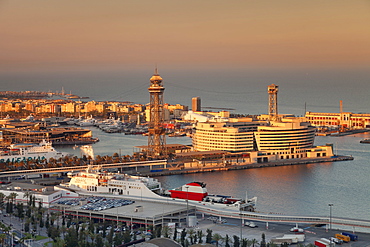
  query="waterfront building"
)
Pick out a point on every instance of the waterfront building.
point(44, 194)
point(196, 104)
point(61, 136)
point(225, 136)
point(69, 107)
point(342, 120)
point(288, 138)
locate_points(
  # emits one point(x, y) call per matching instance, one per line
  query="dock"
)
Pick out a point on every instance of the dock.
point(239, 166)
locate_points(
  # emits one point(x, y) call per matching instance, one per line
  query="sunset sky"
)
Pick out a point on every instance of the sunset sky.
point(96, 34)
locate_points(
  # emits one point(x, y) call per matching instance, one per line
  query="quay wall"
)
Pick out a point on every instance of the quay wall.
point(239, 166)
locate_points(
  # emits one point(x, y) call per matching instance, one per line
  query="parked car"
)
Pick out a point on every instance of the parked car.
point(250, 224)
point(336, 240)
point(296, 229)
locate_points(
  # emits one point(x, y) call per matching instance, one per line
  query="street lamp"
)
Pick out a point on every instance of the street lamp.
point(330, 205)
point(187, 205)
point(241, 224)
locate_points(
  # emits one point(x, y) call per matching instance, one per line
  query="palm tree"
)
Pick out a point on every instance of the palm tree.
point(2, 196)
point(254, 242)
point(217, 237)
point(166, 231)
point(191, 233)
point(27, 194)
point(13, 195)
point(2, 238)
point(200, 236)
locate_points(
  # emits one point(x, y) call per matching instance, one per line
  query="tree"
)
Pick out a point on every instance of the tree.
point(12, 196)
point(200, 236)
point(2, 196)
point(47, 222)
point(175, 234)
point(263, 242)
point(244, 242)
point(110, 236)
point(157, 231)
point(71, 238)
point(166, 231)
point(2, 238)
point(227, 241)
point(182, 237)
point(217, 237)
point(53, 233)
point(126, 236)
point(118, 239)
point(254, 242)
point(27, 226)
point(99, 241)
point(27, 194)
point(20, 211)
point(191, 233)
point(236, 241)
point(59, 243)
point(209, 236)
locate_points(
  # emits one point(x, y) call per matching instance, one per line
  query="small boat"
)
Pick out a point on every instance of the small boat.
point(365, 141)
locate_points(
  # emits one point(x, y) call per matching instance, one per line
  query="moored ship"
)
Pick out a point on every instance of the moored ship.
point(26, 152)
point(94, 180)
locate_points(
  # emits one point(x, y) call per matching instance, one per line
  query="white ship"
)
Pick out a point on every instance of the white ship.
point(26, 152)
point(97, 181)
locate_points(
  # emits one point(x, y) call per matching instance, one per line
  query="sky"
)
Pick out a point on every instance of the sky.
point(42, 35)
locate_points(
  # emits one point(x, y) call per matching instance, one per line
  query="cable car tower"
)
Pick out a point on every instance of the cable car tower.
point(273, 105)
point(157, 137)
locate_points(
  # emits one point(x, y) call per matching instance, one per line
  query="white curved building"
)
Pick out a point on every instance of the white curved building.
point(232, 137)
point(289, 139)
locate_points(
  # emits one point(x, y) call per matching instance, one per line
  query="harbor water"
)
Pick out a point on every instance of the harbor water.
point(294, 190)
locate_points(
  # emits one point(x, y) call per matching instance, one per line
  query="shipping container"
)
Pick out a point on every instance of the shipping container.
point(280, 241)
point(343, 237)
point(299, 237)
point(327, 241)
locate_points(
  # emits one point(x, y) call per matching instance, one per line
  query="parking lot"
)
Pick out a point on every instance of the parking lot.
point(96, 203)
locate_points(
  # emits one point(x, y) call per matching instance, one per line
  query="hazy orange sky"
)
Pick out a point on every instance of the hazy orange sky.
point(76, 34)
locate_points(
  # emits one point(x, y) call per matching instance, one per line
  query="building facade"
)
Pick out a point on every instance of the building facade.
point(289, 138)
point(224, 136)
point(340, 120)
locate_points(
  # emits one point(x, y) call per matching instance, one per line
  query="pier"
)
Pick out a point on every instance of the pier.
point(165, 167)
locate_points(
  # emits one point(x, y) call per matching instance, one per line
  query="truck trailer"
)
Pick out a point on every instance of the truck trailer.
point(352, 236)
point(320, 243)
point(345, 239)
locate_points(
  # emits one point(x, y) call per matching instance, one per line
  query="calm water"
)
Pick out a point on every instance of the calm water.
point(298, 190)
point(303, 189)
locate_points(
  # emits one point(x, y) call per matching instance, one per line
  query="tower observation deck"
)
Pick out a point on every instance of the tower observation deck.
point(156, 138)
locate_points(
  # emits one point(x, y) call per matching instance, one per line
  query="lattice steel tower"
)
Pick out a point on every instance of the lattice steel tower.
point(273, 106)
point(156, 138)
